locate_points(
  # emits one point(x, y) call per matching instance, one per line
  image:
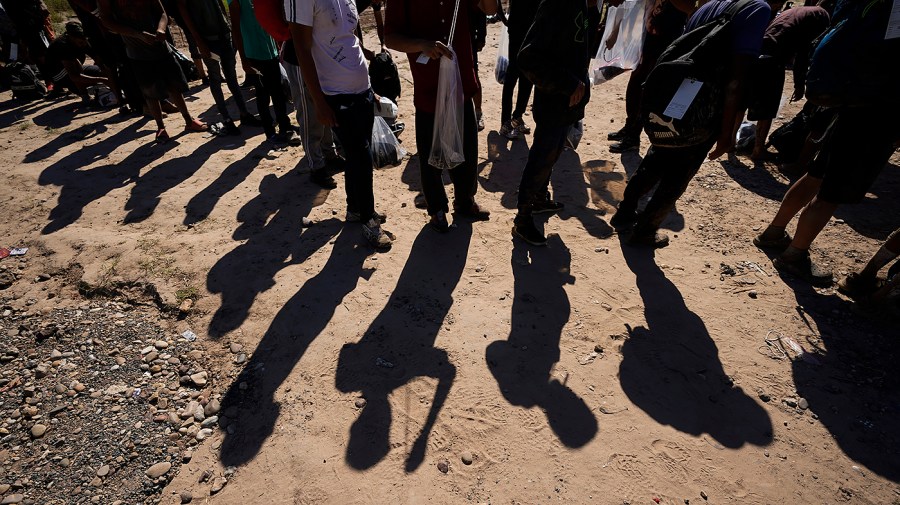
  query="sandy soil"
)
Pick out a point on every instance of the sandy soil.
point(586, 371)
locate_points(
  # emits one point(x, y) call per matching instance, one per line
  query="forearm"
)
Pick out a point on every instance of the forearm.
point(731, 109)
point(163, 21)
point(379, 26)
point(84, 81)
point(236, 36)
point(404, 43)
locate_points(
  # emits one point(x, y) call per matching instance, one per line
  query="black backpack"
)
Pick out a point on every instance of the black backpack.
point(25, 82)
point(188, 68)
point(699, 57)
point(384, 76)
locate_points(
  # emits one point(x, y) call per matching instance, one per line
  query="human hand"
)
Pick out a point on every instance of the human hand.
point(160, 35)
point(325, 114)
point(436, 49)
point(577, 95)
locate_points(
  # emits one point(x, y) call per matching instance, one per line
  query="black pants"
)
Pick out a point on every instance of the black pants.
point(224, 68)
point(549, 141)
point(513, 76)
point(355, 116)
point(268, 85)
point(651, 50)
point(464, 176)
point(673, 170)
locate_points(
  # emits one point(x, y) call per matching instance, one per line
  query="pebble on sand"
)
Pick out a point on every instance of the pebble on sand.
point(38, 430)
point(467, 457)
point(158, 470)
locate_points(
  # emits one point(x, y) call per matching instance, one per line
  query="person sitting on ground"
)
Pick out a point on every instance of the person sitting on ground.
point(665, 23)
point(422, 30)
point(862, 284)
point(207, 21)
point(142, 25)
point(554, 56)
point(259, 56)
point(788, 39)
point(670, 170)
point(65, 61)
point(342, 96)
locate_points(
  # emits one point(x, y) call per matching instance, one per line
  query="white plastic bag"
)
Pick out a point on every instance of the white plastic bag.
point(502, 56)
point(447, 142)
point(386, 108)
point(746, 136)
point(623, 37)
point(573, 137)
point(386, 149)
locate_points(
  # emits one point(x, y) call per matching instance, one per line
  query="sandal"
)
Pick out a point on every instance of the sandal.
point(196, 126)
point(858, 287)
point(804, 268)
point(162, 136)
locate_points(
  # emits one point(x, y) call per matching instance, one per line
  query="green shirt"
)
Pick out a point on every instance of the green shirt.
point(209, 18)
point(258, 45)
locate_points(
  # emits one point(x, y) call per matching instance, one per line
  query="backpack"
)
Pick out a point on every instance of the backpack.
point(788, 139)
point(384, 76)
point(270, 16)
point(853, 64)
point(25, 82)
point(694, 64)
point(191, 73)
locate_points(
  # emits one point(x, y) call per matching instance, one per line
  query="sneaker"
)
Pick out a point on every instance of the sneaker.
point(858, 287)
point(623, 220)
point(654, 239)
point(625, 145)
point(547, 206)
point(772, 241)
point(354, 217)
point(509, 131)
point(473, 212)
point(479, 120)
point(230, 128)
point(323, 178)
point(525, 229)
point(290, 138)
point(419, 201)
point(375, 235)
point(439, 222)
point(520, 126)
point(623, 133)
point(805, 269)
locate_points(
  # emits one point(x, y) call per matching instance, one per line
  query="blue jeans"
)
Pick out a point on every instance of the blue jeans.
point(355, 116)
point(547, 145)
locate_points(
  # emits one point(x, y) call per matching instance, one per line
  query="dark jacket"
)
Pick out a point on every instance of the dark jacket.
point(555, 58)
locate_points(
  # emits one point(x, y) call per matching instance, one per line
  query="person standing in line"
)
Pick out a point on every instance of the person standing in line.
point(520, 18)
point(422, 30)
point(259, 56)
point(555, 57)
point(334, 70)
point(207, 21)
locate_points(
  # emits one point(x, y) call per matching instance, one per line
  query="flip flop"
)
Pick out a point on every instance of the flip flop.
point(196, 126)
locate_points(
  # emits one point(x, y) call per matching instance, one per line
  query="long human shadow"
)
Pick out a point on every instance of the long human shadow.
point(14, 110)
point(571, 187)
point(88, 154)
point(249, 405)
point(81, 187)
point(671, 368)
point(202, 204)
point(272, 228)
point(851, 384)
point(523, 364)
point(150, 186)
point(399, 346)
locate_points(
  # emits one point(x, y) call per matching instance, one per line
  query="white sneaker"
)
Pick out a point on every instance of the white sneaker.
point(520, 126)
point(375, 235)
point(509, 131)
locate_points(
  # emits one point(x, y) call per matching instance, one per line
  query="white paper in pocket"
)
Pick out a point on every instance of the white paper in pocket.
point(683, 98)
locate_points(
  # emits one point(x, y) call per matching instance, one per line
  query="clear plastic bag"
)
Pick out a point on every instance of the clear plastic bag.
point(502, 56)
point(386, 149)
point(623, 37)
point(447, 142)
point(386, 108)
point(573, 138)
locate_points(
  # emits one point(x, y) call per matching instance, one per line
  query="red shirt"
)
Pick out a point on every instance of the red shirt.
point(431, 20)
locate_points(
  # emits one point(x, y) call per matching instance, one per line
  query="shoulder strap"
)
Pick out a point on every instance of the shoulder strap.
point(453, 25)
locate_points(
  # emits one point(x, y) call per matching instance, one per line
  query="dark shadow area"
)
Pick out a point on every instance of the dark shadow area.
point(507, 160)
point(62, 116)
point(149, 187)
point(203, 203)
point(15, 110)
point(523, 363)
point(852, 385)
point(88, 154)
point(272, 228)
point(81, 187)
point(399, 346)
point(875, 217)
point(249, 410)
point(671, 368)
point(571, 188)
point(631, 160)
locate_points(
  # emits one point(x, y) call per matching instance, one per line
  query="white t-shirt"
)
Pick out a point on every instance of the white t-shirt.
point(339, 59)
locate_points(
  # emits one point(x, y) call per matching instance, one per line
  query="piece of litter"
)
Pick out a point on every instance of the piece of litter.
point(587, 358)
point(606, 410)
point(189, 335)
point(136, 393)
point(4, 252)
point(18, 251)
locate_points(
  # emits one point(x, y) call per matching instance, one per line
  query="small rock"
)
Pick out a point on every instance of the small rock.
point(606, 306)
point(212, 408)
point(158, 470)
point(103, 471)
point(466, 458)
point(13, 498)
point(790, 402)
point(443, 466)
point(184, 307)
point(802, 403)
point(186, 497)
point(703, 495)
point(240, 359)
point(360, 403)
point(38, 430)
point(96, 482)
point(218, 485)
point(236, 348)
point(4, 488)
point(205, 476)
point(186, 456)
point(161, 344)
point(199, 379)
point(753, 293)
point(764, 397)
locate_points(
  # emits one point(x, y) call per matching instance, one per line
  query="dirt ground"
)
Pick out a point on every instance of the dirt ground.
point(583, 372)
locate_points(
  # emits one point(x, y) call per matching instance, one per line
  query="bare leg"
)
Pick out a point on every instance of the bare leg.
point(798, 196)
point(156, 112)
point(812, 220)
point(762, 133)
point(176, 98)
